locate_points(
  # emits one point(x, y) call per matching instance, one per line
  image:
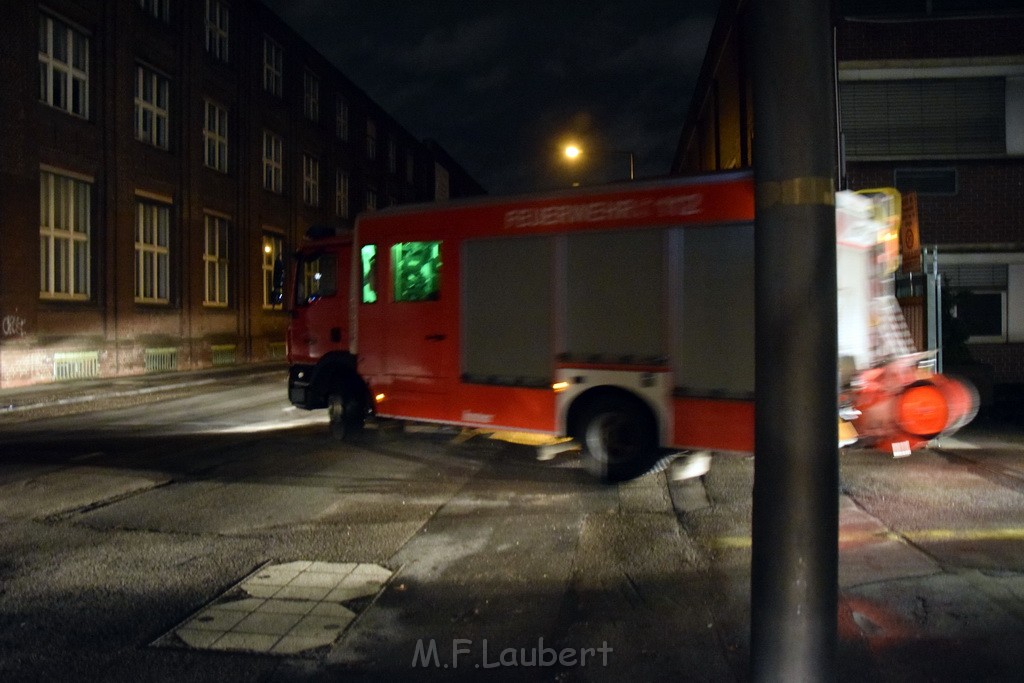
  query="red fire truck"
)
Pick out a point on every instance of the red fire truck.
point(622, 316)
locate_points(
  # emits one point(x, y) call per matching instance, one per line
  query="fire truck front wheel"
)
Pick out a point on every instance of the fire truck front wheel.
point(619, 438)
point(345, 415)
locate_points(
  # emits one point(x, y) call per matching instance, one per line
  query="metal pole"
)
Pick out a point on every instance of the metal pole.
point(937, 309)
point(630, 165)
point(794, 561)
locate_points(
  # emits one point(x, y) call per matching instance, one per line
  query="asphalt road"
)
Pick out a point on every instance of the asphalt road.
point(119, 526)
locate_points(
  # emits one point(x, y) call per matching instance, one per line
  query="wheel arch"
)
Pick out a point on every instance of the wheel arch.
point(335, 372)
point(577, 410)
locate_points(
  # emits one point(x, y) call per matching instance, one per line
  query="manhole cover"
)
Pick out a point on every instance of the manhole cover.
point(283, 609)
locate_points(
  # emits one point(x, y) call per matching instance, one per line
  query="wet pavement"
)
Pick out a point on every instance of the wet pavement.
point(931, 573)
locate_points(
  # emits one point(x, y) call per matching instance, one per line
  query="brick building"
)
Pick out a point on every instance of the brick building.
point(931, 102)
point(156, 158)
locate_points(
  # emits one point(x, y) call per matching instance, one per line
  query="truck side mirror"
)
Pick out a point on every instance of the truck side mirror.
point(277, 293)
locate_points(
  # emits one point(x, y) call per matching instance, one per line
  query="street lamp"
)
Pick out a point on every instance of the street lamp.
point(573, 152)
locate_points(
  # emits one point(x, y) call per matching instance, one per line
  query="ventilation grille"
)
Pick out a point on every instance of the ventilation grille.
point(223, 354)
point(908, 119)
point(76, 365)
point(976, 276)
point(161, 360)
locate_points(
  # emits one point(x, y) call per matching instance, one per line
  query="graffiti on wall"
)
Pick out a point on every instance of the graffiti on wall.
point(12, 326)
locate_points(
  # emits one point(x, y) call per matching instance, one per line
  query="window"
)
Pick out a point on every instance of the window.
point(341, 118)
point(273, 67)
point(924, 118)
point(311, 102)
point(371, 199)
point(983, 315)
point(65, 234)
point(152, 252)
point(310, 180)
point(158, 8)
point(341, 194)
point(215, 137)
point(978, 287)
point(63, 67)
point(417, 268)
point(216, 260)
point(273, 263)
point(273, 165)
point(368, 256)
point(151, 107)
point(217, 29)
point(317, 277)
point(371, 140)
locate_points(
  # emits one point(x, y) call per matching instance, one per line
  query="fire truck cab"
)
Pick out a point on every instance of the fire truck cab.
point(322, 369)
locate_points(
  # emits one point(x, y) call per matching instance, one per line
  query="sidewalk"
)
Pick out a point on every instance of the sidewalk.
point(37, 396)
point(936, 592)
point(983, 434)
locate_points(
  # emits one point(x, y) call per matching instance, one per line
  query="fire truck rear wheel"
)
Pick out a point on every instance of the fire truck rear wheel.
point(619, 439)
point(345, 417)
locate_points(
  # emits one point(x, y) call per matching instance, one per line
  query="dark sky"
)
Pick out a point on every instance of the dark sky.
point(501, 84)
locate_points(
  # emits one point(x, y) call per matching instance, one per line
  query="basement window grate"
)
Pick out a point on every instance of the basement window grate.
point(223, 354)
point(68, 365)
point(161, 360)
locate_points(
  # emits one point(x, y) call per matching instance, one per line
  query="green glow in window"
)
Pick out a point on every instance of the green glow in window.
point(417, 268)
point(369, 258)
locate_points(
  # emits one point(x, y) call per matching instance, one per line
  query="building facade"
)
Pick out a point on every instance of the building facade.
point(157, 158)
point(931, 102)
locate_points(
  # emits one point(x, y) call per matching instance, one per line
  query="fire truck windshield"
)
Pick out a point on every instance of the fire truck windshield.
point(316, 277)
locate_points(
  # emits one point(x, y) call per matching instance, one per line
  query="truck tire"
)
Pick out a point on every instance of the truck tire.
point(619, 439)
point(344, 415)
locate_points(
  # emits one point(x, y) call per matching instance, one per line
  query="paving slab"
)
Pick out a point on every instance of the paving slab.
point(281, 609)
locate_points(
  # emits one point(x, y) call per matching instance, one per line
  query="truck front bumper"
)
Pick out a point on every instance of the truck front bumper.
point(300, 380)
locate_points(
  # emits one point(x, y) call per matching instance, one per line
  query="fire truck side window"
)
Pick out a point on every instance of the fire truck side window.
point(417, 270)
point(318, 278)
point(368, 256)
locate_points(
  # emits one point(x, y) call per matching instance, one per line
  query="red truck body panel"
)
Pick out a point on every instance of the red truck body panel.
point(410, 352)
